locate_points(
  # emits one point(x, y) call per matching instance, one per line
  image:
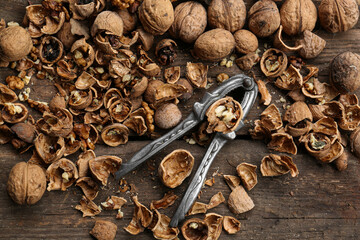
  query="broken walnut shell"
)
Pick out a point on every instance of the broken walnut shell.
point(290, 79)
point(172, 74)
point(14, 113)
point(120, 110)
point(107, 22)
point(26, 183)
point(104, 230)
point(88, 186)
point(273, 62)
point(214, 222)
point(195, 228)
point(102, 166)
point(282, 142)
point(280, 44)
point(24, 131)
point(264, 92)
point(175, 167)
point(49, 148)
point(239, 201)
point(231, 225)
point(312, 45)
point(276, 165)
point(88, 207)
point(61, 174)
point(7, 95)
point(115, 134)
point(247, 174)
point(271, 118)
point(50, 50)
point(224, 115)
point(168, 199)
point(246, 62)
point(297, 112)
point(165, 51)
point(196, 73)
point(137, 124)
point(355, 142)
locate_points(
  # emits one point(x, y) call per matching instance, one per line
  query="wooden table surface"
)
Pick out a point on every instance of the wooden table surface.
point(321, 203)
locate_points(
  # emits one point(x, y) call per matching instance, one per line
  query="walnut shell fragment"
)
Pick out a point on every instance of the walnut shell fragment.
point(224, 115)
point(231, 225)
point(6, 134)
point(26, 183)
point(246, 62)
point(247, 174)
point(175, 167)
point(276, 165)
point(232, 181)
point(297, 112)
point(195, 229)
point(273, 63)
point(355, 142)
point(108, 22)
point(104, 230)
point(142, 213)
point(14, 113)
point(214, 222)
point(312, 45)
point(239, 201)
point(168, 199)
point(137, 124)
point(271, 118)
point(172, 74)
point(62, 174)
point(196, 73)
point(114, 203)
point(89, 187)
point(290, 79)
point(214, 45)
point(280, 44)
point(282, 142)
point(102, 166)
point(115, 134)
point(7, 95)
point(264, 92)
point(49, 148)
point(88, 207)
point(160, 227)
point(50, 50)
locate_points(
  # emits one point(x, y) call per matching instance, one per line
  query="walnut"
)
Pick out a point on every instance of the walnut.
point(214, 45)
point(165, 51)
point(167, 116)
point(312, 45)
point(341, 163)
point(239, 201)
point(214, 222)
point(273, 63)
point(104, 230)
point(26, 183)
point(24, 131)
point(231, 225)
point(14, 113)
point(115, 134)
point(13, 48)
point(89, 187)
point(247, 174)
point(15, 82)
point(189, 22)
point(129, 20)
point(175, 167)
point(276, 165)
point(102, 166)
point(156, 16)
point(264, 18)
point(195, 228)
point(224, 115)
point(227, 14)
point(345, 73)
point(338, 15)
point(168, 200)
point(246, 41)
point(298, 16)
point(61, 174)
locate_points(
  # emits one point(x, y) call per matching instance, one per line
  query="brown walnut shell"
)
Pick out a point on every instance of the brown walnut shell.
point(246, 41)
point(196, 73)
point(14, 113)
point(49, 148)
point(24, 131)
point(115, 134)
point(271, 118)
point(214, 222)
point(104, 230)
point(168, 200)
point(26, 183)
point(282, 142)
point(298, 16)
point(89, 187)
point(120, 110)
point(214, 45)
point(264, 18)
point(355, 142)
point(297, 112)
point(276, 165)
point(247, 174)
point(312, 45)
point(88, 207)
point(51, 50)
point(175, 167)
point(338, 15)
point(227, 14)
point(273, 62)
point(195, 228)
point(129, 20)
point(108, 22)
point(7, 95)
point(167, 116)
point(345, 73)
point(246, 62)
point(189, 22)
point(239, 201)
point(102, 166)
point(13, 47)
point(61, 174)
point(6, 134)
point(231, 225)
point(156, 16)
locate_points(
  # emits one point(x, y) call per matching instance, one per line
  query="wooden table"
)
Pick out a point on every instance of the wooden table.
point(321, 203)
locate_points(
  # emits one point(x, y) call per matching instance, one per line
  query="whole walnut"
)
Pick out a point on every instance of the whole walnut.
point(338, 15)
point(26, 183)
point(190, 21)
point(264, 18)
point(246, 41)
point(13, 47)
point(214, 45)
point(345, 72)
point(227, 14)
point(156, 16)
point(298, 16)
point(167, 116)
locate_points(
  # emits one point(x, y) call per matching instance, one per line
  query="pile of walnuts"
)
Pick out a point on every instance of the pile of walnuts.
point(95, 52)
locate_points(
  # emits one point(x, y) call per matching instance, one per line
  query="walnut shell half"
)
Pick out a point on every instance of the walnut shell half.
point(62, 174)
point(195, 229)
point(115, 134)
point(275, 165)
point(26, 183)
point(247, 174)
point(102, 166)
point(175, 167)
point(273, 63)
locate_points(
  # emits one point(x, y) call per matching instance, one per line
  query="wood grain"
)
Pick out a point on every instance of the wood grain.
point(321, 203)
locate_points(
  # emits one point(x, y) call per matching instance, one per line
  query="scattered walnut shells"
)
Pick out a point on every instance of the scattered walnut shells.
point(214, 45)
point(61, 174)
point(175, 167)
point(338, 15)
point(227, 14)
point(104, 230)
point(195, 229)
point(298, 16)
point(156, 16)
point(102, 166)
point(26, 183)
point(344, 72)
point(13, 47)
point(189, 22)
point(264, 18)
